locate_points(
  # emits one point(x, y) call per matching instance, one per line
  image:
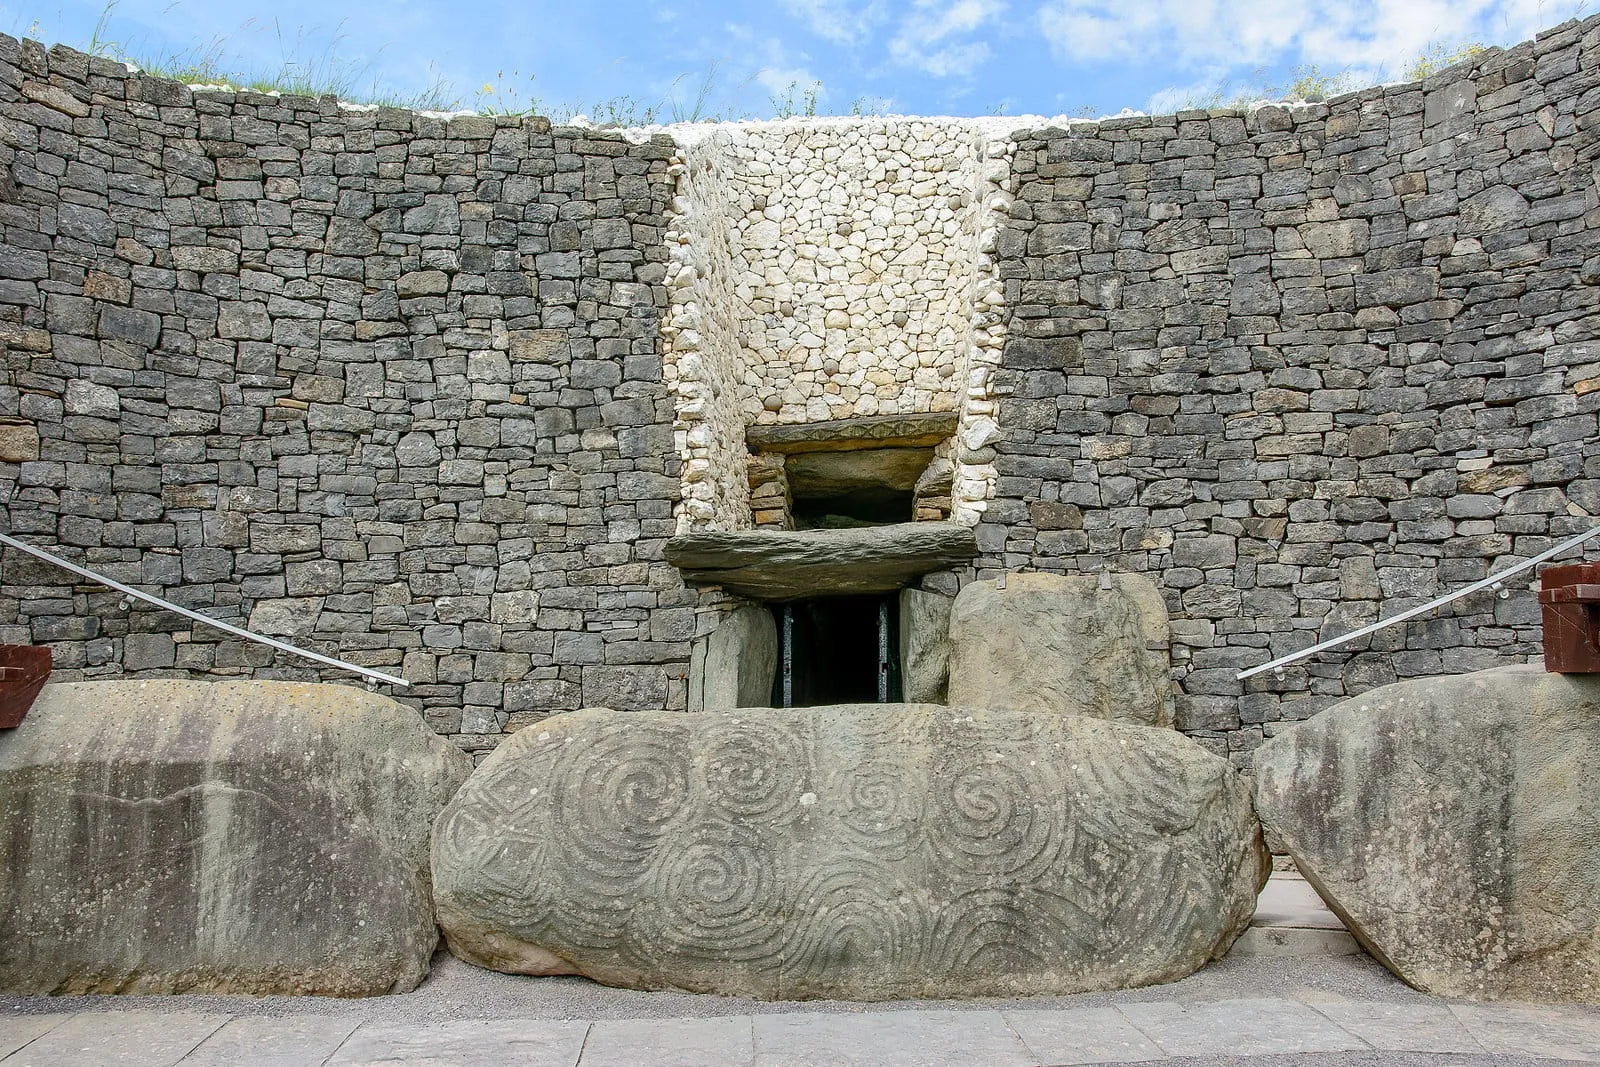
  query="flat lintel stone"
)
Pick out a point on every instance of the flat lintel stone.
point(788, 565)
point(877, 431)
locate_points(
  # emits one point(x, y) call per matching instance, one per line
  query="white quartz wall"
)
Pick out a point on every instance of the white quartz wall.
point(831, 269)
point(703, 359)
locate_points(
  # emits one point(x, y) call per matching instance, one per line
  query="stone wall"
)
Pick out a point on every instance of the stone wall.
point(385, 384)
point(428, 393)
point(833, 269)
point(1300, 363)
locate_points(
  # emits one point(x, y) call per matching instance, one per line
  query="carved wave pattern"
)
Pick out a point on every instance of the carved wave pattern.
point(871, 852)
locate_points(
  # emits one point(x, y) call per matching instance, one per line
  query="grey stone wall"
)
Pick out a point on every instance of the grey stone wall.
point(1300, 363)
point(386, 385)
point(389, 385)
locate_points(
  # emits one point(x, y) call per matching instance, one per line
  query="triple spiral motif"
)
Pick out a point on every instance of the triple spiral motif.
point(881, 851)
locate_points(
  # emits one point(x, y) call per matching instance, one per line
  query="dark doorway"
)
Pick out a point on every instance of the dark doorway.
point(837, 650)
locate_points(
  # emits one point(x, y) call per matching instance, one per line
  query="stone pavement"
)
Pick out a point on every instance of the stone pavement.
point(1295, 991)
point(1282, 1029)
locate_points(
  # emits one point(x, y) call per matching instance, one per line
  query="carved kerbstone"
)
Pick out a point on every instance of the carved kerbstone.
point(859, 851)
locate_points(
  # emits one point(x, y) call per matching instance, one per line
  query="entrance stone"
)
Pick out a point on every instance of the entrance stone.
point(924, 645)
point(1454, 825)
point(856, 852)
point(1064, 643)
point(229, 837)
point(734, 667)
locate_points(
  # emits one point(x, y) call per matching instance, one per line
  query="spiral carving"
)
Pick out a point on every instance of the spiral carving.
point(878, 810)
point(753, 769)
point(867, 852)
point(991, 816)
point(718, 899)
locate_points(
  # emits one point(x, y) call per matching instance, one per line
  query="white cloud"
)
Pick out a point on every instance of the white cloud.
point(1367, 35)
point(930, 37)
point(839, 21)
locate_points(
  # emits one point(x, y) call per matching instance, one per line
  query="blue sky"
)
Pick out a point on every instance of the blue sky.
point(951, 57)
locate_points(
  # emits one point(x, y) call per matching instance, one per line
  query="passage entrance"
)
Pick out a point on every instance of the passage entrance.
point(837, 650)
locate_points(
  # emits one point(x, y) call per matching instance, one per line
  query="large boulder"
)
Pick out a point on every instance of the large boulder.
point(1454, 825)
point(860, 851)
point(229, 837)
point(1083, 644)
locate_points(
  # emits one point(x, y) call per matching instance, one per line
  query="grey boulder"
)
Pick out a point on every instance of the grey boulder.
point(1453, 823)
point(228, 837)
point(860, 851)
point(1064, 643)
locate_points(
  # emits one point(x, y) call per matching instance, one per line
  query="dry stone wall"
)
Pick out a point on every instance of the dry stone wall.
point(384, 384)
point(429, 393)
point(1306, 364)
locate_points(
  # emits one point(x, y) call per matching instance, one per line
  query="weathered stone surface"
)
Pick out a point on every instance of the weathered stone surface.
point(924, 645)
point(860, 852)
point(1453, 823)
point(828, 473)
point(735, 665)
point(19, 442)
point(785, 565)
point(231, 837)
point(878, 431)
point(1062, 643)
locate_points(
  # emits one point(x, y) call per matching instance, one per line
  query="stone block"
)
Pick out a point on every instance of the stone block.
point(1451, 822)
point(236, 837)
point(1063, 645)
point(924, 646)
point(735, 666)
point(860, 852)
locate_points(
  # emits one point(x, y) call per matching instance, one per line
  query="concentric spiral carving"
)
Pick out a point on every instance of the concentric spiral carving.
point(753, 769)
point(990, 815)
point(876, 808)
point(868, 852)
point(718, 899)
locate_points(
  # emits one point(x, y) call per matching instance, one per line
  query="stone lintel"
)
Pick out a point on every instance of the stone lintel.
point(793, 564)
point(876, 431)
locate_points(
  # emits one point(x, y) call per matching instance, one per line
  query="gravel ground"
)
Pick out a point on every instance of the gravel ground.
point(455, 990)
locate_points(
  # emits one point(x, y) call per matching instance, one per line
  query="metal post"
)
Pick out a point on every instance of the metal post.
point(788, 655)
point(883, 652)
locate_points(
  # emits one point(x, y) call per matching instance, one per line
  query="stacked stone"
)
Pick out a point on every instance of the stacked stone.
point(851, 251)
point(385, 384)
point(1306, 364)
point(703, 364)
point(975, 474)
point(771, 507)
point(828, 269)
point(393, 385)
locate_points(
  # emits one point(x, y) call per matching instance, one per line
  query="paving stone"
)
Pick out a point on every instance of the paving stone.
point(1238, 1028)
point(117, 1038)
point(17, 1030)
point(707, 1042)
point(888, 1039)
point(273, 1041)
point(525, 1042)
point(1087, 1035)
point(1557, 1033)
point(1401, 1027)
